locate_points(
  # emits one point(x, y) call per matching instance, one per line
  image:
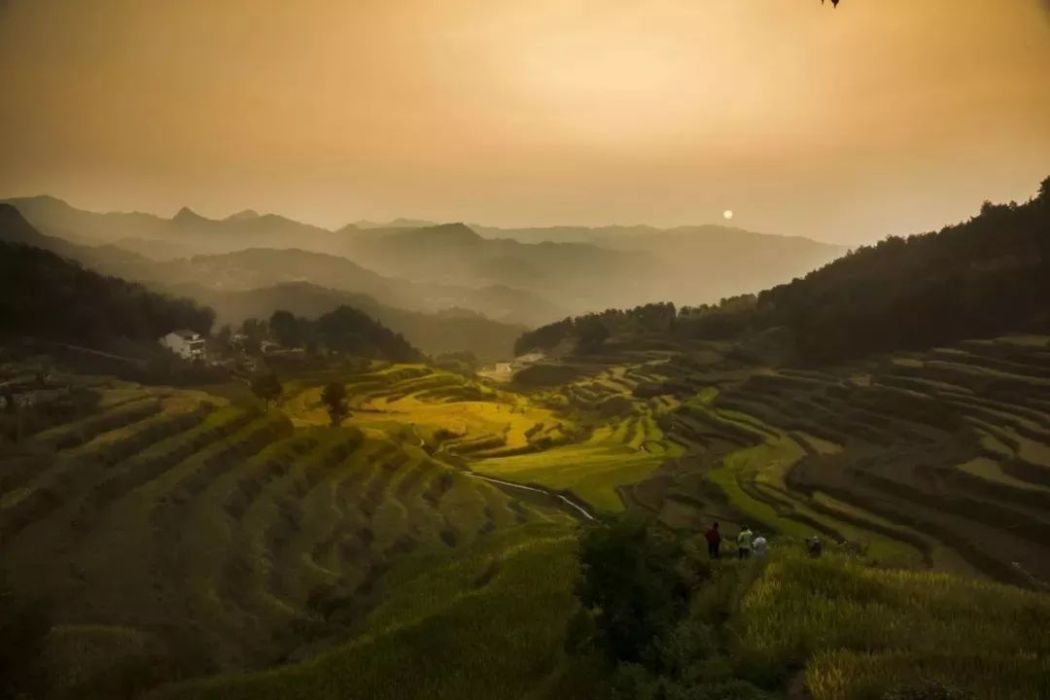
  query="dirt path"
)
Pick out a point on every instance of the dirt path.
point(575, 506)
point(587, 515)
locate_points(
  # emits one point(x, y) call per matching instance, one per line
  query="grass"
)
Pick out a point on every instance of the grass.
point(502, 434)
point(437, 406)
point(616, 454)
point(859, 631)
point(754, 480)
point(991, 470)
point(488, 622)
point(258, 541)
point(210, 537)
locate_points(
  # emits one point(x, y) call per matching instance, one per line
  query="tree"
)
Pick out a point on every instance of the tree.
point(267, 387)
point(286, 329)
point(334, 398)
point(592, 332)
point(254, 332)
point(222, 340)
point(630, 584)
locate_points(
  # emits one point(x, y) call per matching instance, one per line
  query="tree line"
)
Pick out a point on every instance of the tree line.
point(985, 277)
point(589, 332)
point(343, 330)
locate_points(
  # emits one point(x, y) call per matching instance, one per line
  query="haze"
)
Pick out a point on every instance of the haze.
point(882, 116)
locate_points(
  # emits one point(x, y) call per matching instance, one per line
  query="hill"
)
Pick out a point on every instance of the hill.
point(257, 282)
point(608, 267)
point(45, 296)
point(257, 268)
point(696, 264)
point(552, 273)
point(168, 261)
point(186, 233)
point(434, 333)
point(987, 276)
point(163, 534)
point(829, 627)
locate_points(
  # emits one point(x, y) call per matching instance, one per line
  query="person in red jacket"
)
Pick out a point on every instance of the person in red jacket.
point(714, 540)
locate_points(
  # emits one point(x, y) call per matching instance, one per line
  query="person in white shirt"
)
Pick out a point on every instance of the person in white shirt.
point(759, 546)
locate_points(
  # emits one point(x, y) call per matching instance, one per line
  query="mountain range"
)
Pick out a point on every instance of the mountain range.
point(513, 277)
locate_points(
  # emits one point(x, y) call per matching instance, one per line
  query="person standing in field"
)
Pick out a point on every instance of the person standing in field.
point(743, 543)
point(714, 540)
point(759, 545)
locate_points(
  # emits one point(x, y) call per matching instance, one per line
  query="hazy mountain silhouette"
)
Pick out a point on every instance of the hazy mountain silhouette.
point(537, 275)
point(186, 233)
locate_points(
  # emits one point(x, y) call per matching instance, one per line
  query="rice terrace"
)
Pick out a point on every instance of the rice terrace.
point(666, 350)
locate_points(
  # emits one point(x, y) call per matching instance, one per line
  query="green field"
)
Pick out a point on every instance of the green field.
point(196, 544)
point(485, 622)
point(205, 536)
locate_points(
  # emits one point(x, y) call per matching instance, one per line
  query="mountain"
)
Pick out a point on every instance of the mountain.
point(689, 264)
point(47, 296)
point(248, 250)
point(586, 269)
point(985, 277)
point(434, 333)
point(15, 229)
point(256, 282)
point(257, 268)
point(186, 233)
point(540, 274)
point(399, 223)
point(575, 276)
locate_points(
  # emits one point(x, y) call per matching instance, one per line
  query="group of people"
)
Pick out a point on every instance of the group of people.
point(746, 543)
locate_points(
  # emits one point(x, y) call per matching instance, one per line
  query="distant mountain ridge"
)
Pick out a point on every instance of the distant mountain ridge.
point(453, 264)
point(257, 282)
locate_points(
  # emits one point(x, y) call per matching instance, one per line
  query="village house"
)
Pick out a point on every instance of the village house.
point(185, 343)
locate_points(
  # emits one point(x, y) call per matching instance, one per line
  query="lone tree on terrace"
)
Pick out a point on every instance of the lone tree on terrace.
point(334, 398)
point(267, 387)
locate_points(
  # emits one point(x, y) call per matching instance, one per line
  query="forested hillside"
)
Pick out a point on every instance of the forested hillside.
point(987, 276)
point(344, 330)
point(44, 295)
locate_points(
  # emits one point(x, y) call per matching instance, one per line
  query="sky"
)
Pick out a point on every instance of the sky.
point(879, 117)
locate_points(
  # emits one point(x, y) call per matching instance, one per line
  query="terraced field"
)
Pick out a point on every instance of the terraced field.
point(437, 410)
point(176, 534)
point(940, 458)
point(173, 534)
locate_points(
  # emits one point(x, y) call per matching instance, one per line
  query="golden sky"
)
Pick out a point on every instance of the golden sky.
point(879, 117)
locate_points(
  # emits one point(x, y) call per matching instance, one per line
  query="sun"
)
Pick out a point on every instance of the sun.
point(727, 215)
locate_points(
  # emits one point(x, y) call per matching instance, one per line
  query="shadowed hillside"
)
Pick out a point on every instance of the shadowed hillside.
point(45, 296)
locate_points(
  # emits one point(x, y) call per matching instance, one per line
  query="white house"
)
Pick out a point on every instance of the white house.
point(186, 344)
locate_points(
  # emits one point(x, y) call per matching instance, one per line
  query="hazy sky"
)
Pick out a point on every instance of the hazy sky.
point(883, 116)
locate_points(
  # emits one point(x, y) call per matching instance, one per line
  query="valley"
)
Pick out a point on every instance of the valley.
point(308, 506)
